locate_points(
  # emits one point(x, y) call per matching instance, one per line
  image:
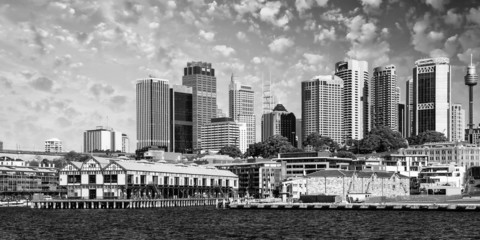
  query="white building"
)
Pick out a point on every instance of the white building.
point(458, 123)
point(242, 107)
point(356, 110)
point(322, 107)
point(103, 139)
point(384, 97)
point(219, 133)
point(432, 96)
point(125, 143)
point(53, 145)
point(441, 175)
point(463, 154)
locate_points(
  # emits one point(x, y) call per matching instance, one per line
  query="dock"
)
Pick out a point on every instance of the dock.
point(360, 206)
point(124, 203)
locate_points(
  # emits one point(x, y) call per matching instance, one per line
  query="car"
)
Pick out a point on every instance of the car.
point(47, 198)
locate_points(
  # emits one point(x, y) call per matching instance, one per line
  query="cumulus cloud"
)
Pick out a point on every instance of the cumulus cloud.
point(269, 13)
point(98, 89)
point(43, 84)
point(209, 36)
point(313, 58)
point(424, 38)
point(257, 60)
point(303, 5)
point(454, 19)
point(372, 3)
point(241, 36)
point(325, 34)
point(437, 4)
point(474, 15)
point(224, 50)
point(279, 45)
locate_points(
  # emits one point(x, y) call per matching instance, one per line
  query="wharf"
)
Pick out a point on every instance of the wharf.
point(123, 203)
point(361, 206)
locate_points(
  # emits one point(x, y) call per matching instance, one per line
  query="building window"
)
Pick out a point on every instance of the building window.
point(142, 179)
point(110, 178)
point(73, 179)
point(92, 179)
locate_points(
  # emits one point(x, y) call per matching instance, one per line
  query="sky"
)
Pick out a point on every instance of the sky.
point(69, 66)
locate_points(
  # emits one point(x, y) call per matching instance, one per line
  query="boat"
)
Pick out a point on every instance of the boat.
point(19, 203)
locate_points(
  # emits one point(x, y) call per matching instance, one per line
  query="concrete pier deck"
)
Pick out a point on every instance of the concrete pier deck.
point(361, 206)
point(123, 203)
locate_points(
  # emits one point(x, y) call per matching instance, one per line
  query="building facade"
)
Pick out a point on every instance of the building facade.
point(181, 119)
point(242, 108)
point(221, 132)
point(200, 76)
point(384, 97)
point(402, 126)
point(355, 102)
point(125, 143)
point(103, 139)
point(153, 113)
point(279, 122)
point(465, 155)
point(53, 145)
point(101, 178)
point(432, 96)
point(322, 107)
point(409, 108)
point(458, 123)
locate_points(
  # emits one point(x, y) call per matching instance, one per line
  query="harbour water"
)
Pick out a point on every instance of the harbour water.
point(211, 223)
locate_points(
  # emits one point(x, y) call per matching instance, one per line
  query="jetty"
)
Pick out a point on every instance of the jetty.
point(360, 206)
point(125, 203)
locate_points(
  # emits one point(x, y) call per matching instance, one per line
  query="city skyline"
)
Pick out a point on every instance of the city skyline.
point(68, 67)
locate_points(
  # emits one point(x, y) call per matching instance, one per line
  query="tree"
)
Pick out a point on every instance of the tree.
point(319, 142)
point(271, 147)
point(230, 150)
point(380, 139)
point(427, 136)
point(344, 154)
point(76, 157)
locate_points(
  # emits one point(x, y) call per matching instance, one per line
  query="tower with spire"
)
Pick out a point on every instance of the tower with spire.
point(471, 79)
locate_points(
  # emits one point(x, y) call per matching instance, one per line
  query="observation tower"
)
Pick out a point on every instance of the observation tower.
point(471, 80)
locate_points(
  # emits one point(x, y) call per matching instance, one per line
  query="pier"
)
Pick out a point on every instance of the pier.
point(360, 206)
point(125, 203)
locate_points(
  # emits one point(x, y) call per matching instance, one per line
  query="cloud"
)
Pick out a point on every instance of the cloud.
point(474, 15)
point(5, 82)
point(98, 89)
point(454, 19)
point(247, 6)
point(325, 34)
point(372, 3)
point(303, 5)
point(279, 45)
point(63, 60)
point(209, 36)
point(437, 4)
point(153, 25)
point(313, 59)
point(241, 36)
point(257, 60)
point(63, 122)
point(224, 50)
point(42, 83)
point(269, 13)
point(424, 39)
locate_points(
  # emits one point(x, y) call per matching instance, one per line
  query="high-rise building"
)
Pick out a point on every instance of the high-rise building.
point(384, 97)
point(200, 76)
point(279, 122)
point(409, 108)
point(181, 119)
point(356, 111)
point(103, 139)
point(267, 95)
point(53, 145)
point(322, 107)
point(299, 131)
point(471, 79)
point(458, 123)
point(432, 97)
point(242, 107)
point(401, 119)
point(221, 132)
point(1, 146)
point(153, 113)
point(125, 143)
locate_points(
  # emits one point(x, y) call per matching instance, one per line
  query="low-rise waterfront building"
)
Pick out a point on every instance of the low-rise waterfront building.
point(357, 184)
point(257, 179)
point(103, 178)
point(442, 175)
point(294, 188)
point(407, 165)
point(463, 154)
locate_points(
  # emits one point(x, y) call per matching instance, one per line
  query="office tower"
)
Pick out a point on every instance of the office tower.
point(102, 139)
point(153, 113)
point(322, 107)
point(267, 96)
point(53, 145)
point(431, 96)
point(299, 132)
point(471, 79)
point(384, 97)
point(220, 132)
point(200, 76)
point(279, 122)
point(181, 119)
point(242, 107)
point(125, 143)
point(458, 123)
point(409, 108)
point(1, 146)
point(355, 106)
point(220, 113)
point(401, 119)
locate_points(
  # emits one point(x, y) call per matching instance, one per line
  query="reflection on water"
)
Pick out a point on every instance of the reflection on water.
point(211, 223)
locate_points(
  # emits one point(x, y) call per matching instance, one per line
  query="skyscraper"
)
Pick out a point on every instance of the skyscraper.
point(431, 96)
point(181, 119)
point(279, 122)
point(401, 119)
point(102, 139)
point(409, 108)
point(221, 132)
point(322, 107)
point(153, 113)
point(355, 106)
point(241, 107)
point(458, 123)
point(200, 76)
point(384, 97)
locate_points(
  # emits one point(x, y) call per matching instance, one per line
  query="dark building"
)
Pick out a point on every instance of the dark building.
point(279, 122)
point(181, 119)
point(401, 120)
point(1, 146)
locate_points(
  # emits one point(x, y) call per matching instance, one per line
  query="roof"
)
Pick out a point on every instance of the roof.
point(53, 140)
point(27, 169)
point(216, 157)
point(348, 173)
point(279, 108)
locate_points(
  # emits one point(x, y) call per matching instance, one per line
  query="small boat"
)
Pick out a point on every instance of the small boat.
point(19, 203)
